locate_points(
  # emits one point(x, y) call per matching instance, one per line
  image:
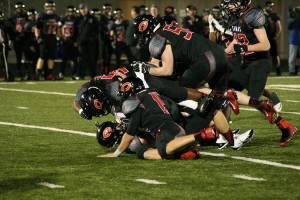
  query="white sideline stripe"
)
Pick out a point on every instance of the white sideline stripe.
point(36, 91)
point(150, 181)
point(254, 110)
point(265, 162)
point(281, 77)
point(284, 86)
point(279, 88)
point(254, 160)
point(50, 185)
point(292, 101)
point(249, 178)
point(48, 128)
point(40, 82)
point(23, 108)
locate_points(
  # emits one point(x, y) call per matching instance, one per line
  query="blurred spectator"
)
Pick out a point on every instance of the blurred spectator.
point(88, 37)
point(143, 10)
point(107, 21)
point(46, 32)
point(132, 41)
point(118, 32)
point(18, 21)
point(154, 12)
point(170, 16)
point(205, 14)
point(32, 51)
point(69, 42)
point(273, 29)
point(5, 41)
point(294, 38)
point(192, 21)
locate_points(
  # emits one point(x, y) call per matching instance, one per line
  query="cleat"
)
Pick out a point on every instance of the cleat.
point(190, 155)
point(242, 139)
point(221, 142)
point(50, 77)
point(231, 97)
point(269, 111)
point(59, 77)
point(276, 101)
point(75, 78)
point(288, 130)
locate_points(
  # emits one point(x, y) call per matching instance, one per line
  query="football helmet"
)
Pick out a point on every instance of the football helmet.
point(94, 102)
point(71, 9)
point(235, 7)
point(143, 10)
point(131, 86)
point(49, 7)
point(169, 10)
point(31, 12)
point(269, 6)
point(107, 134)
point(144, 26)
point(168, 20)
point(19, 5)
point(2, 16)
point(118, 12)
point(95, 12)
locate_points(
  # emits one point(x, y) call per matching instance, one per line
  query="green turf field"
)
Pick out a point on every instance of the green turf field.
point(34, 155)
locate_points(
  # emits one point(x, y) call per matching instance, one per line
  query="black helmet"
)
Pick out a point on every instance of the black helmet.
point(19, 5)
point(240, 6)
point(107, 134)
point(144, 9)
point(71, 8)
point(2, 15)
point(95, 11)
point(190, 8)
point(143, 27)
point(49, 4)
point(131, 86)
point(170, 10)
point(269, 6)
point(94, 103)
point(107, 6)
point(118, 11)
point(31, 12)
point(168, 20)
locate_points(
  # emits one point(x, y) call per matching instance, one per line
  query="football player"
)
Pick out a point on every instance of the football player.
point(46, 31)
point(252, 44)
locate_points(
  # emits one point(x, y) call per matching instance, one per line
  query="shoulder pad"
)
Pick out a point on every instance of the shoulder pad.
point(112, 92)
point(157, 46)
point(254, 18)
point(130, 105)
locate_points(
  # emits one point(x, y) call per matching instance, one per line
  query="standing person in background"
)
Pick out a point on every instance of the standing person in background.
point(154, 12)
point(46, 31)
point(88, 37)
point(294, 38)
point(118, 32)
point(131, 41)
point(31, 47)
point(273, 29)
point(5, 42)
point(107, 21)
point(69, 42)
point(192, 21)
point(170, 13)
point(18, 21)
point(143, 10)
point(205, 14)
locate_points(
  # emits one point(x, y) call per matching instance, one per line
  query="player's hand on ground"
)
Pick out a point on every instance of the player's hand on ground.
point(109, 155)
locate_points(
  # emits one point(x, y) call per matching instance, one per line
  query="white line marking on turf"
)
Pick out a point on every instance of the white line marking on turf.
point(292, 101)
point(36, 91)
point(48, 128)
point(51, 185)
point(150, 181)
point(40, 82)
point(281, 77)
point(285, 86)
point(23, 108)
point(264, 162)
point(254, 110)
point(249, 178)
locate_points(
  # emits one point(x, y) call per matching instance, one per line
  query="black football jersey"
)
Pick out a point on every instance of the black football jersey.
point(68, 28)
point(270, 25)
point(48, 24)
point(186, 45)
point(150, 114)
point(18, 22)
point(243, 29)
point(120, 30)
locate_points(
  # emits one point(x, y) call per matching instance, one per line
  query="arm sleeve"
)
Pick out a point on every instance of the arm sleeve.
point(134, 122)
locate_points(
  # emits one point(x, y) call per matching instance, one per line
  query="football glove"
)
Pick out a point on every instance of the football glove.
point(240, 48)
point(139, 66)
point(83, 115)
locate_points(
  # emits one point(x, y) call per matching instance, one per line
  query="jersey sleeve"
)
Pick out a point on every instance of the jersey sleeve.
point(134, 122)
point(254, 18)
point(157, 46)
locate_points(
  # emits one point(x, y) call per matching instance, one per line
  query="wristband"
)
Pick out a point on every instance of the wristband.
point(117, 153)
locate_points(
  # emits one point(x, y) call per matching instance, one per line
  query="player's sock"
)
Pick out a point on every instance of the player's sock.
point(254, 102)
point(266, 93)
point(277, 120)
point(229, 137)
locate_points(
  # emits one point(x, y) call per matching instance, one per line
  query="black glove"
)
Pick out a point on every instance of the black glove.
point(240, 48)
point(139, 66)
point(205, 102)
point(84, 115)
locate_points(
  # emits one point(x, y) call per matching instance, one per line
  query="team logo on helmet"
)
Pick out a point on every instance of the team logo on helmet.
point(98, 104)
point(126, 87)
point(107, 132)
point(143, 26)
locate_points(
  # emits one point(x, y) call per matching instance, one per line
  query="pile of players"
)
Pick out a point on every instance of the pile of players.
point(150, 123)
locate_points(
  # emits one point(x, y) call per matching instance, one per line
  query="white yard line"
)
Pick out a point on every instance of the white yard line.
point(37, 91)
point(253, 160)
point(254, 110)
point(249, 178)
point(148, 181)
point(283, 77)
point(292, 101)
point(51, 185)
point(40, 82)
point(23, 108)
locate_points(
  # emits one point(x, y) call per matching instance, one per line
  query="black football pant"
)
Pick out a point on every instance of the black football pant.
point(122, 47)
point(19, 47)
point(87, 60)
